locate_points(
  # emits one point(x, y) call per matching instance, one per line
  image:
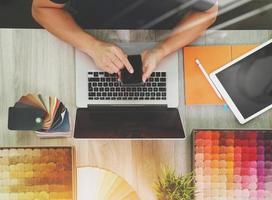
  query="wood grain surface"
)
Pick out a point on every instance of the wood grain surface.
point(36, 61)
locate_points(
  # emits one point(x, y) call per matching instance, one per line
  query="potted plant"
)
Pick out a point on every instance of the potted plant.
point(172, 186)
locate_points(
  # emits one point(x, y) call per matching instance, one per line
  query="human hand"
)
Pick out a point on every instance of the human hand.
point(150, 60)
point(109, 57)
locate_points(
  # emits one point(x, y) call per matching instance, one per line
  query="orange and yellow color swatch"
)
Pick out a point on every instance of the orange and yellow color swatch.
point(36, 174)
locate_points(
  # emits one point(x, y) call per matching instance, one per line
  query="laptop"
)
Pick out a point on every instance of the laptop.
point(109, 109)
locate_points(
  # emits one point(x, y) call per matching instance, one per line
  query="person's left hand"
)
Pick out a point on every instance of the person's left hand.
point(150, 60)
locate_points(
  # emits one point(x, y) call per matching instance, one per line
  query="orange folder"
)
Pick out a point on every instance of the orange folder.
point(197, 88)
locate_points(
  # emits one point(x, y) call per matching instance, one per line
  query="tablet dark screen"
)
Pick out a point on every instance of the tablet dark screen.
point(249, 82)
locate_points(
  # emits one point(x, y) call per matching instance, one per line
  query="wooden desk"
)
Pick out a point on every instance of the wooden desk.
point(36, 61)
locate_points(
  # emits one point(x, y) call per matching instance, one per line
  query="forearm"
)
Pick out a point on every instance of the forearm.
point(60, 23)
point(188, 30)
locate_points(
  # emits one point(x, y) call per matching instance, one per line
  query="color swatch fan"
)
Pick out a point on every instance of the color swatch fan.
point(44, 114)
point(99, 184)
point(233, 165)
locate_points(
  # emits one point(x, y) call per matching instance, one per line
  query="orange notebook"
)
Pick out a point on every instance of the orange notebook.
point(197, 88)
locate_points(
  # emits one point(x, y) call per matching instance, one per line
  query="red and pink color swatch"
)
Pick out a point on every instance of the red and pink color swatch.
point(233, 165)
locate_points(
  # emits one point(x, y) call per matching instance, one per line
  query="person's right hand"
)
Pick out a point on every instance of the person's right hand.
point(109, 57)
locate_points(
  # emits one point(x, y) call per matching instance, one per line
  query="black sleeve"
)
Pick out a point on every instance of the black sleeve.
point(59, 1)
point(203, 5)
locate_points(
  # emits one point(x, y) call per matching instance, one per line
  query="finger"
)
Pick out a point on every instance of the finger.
point(109, 70)
point(147, 72)
point(119, 76)
point(117, 62)
point(145, 66)
point(109, 65)
point(112, 67)
point(105, 68)
point(143, 54)
point(144, 71)
point(119, 53)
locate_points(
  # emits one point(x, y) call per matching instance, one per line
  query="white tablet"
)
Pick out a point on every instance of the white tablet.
point(246, 83)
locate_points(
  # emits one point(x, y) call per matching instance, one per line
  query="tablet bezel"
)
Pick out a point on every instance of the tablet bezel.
point(225, 94)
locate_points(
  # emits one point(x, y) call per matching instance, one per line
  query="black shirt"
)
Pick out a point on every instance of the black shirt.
point(132, 14)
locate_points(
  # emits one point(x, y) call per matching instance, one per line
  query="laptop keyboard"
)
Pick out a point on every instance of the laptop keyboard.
point(105, 86)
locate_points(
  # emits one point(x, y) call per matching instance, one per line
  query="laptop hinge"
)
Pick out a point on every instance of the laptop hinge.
point(121, 107)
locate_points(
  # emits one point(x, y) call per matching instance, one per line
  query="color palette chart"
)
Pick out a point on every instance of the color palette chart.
point(233, 165)
point(36, 173)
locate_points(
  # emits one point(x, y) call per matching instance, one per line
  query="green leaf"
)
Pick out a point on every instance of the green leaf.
point(171, 186)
